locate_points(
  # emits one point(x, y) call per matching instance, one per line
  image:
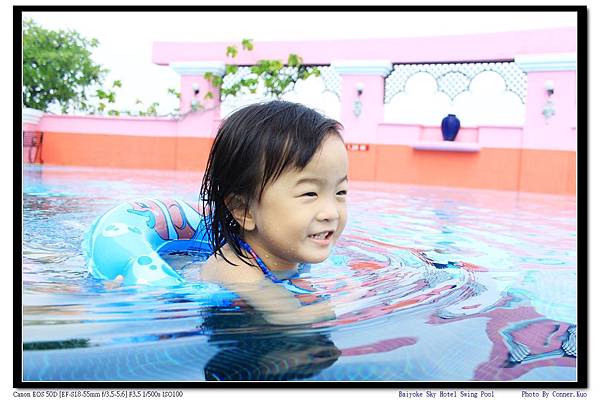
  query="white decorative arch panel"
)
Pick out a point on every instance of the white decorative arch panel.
point(478, 93)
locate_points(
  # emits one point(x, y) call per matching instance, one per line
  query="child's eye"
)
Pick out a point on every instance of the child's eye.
point(310, 194)
point(342, 193)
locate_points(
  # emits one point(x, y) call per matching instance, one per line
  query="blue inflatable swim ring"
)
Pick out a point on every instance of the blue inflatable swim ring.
point(129, 238)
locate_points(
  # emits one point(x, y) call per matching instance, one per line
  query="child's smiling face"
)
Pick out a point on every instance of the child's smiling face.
point(302, 214)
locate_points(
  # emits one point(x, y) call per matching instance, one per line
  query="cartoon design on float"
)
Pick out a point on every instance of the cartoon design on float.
point(155, 217)
point(129, 238)
point(182, 226)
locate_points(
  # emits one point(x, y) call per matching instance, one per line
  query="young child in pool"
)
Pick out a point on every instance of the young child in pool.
point(275, 186)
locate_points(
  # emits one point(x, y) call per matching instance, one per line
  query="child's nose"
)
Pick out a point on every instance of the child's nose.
point(329, 211)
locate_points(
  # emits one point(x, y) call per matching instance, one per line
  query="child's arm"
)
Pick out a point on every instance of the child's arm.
point(109, 285)
point(279, 306)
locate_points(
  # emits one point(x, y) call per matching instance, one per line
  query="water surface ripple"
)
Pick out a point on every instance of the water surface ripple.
point(428, 276)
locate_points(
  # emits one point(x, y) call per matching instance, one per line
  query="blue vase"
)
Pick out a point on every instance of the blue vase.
point(450, 127)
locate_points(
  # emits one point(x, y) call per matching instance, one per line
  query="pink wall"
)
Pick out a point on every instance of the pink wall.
point(432, 134)
point(91, 124)
point(200, 124)
point(397, 134)
point(363, 127)
point(485, 136)
point(500, 137)
point(195, 125)
point(556, 133)
point(489, 46)
point(538, 156)
point(203, 86)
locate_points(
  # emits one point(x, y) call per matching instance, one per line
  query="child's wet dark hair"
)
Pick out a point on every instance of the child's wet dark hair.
point(253, 147)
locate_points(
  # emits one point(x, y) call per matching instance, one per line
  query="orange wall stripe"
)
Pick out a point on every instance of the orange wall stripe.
point(545, 171)
point(120, 151)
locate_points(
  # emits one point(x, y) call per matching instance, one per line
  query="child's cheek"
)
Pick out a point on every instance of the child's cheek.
point(339, 231)
point(343, 221)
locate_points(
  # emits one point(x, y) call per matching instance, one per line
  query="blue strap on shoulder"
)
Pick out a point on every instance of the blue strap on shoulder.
point(287, 283)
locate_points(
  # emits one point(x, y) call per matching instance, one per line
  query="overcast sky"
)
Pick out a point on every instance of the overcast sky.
point(126, 38)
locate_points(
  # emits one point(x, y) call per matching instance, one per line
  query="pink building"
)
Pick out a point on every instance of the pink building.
point(537, 154)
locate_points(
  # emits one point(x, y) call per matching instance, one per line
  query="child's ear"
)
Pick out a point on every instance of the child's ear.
point(238, 209)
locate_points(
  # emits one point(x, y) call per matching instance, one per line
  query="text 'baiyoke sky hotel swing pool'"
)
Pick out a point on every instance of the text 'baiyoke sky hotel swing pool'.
point(458, 260)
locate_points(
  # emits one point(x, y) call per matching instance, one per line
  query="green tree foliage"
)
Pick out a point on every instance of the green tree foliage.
point(277, 78)
point(58, 69)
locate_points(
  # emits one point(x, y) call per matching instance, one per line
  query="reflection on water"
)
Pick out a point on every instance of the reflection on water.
point(429, 276)
point(281, 354)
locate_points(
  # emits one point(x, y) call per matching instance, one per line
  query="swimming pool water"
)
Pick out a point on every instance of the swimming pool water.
point(446, 285)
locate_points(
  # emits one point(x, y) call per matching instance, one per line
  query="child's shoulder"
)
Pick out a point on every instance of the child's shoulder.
point(217, 269)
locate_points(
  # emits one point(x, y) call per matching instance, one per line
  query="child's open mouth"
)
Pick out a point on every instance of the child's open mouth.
point(322, 237)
